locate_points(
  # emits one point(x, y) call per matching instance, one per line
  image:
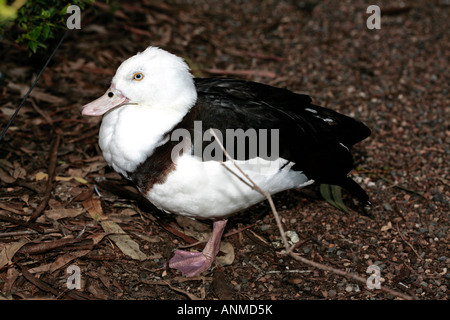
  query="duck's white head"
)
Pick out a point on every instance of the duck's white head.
point(153, 78)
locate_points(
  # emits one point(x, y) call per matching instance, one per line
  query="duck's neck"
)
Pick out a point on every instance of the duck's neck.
point(130, 134)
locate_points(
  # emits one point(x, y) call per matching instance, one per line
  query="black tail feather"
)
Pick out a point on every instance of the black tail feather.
point(356, 191)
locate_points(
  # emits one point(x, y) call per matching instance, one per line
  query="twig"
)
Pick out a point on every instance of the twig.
point(261, 56)
point(242, 73)
point(25, 233)
point(257, 188)
point(192, 242)
point(44, 246)
point(46, 287)
point(166, 283)
point(258, 239)
point(228, 234)
point(402, 188)
point(5, 216)
point(41, 112)
point(409, 244)
point(6, 207)
point(286, 245)
point(82, 137)
point(255, 55)
point(51, 175)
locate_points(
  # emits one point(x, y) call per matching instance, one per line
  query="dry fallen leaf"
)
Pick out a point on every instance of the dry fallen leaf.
point(44, 176)
point(66, 258)
point(62, 213)
point(5, 177)
point(11, 275)
point(194, 228)
point(94, 208)
point(127, 245)
point(8, 250)
point(386, 227)
point(39, 95)
point(19, 172)
point(228, 258)
point(59, 262)
point(41, 176)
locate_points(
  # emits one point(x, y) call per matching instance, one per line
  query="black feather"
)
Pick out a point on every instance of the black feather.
point(315, 138)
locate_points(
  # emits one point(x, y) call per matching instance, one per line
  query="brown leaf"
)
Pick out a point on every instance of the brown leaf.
point(404, 273)
point(59, 262)
point(66, 258)
point(95, 289)
point(46, 97)
point(63, 213)
point(94, 207)
point(84, 195)
point(19, 172)
point(221, 287)
point(227, 259)
point(8, 250)
point(127, 245)
point(5, 177)
point(11, 276)
point(194, 228)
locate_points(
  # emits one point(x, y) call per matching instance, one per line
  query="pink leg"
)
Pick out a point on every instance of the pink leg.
point(192, 264)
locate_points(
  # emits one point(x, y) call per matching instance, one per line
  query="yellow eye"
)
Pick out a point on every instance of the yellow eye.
point(138, 76)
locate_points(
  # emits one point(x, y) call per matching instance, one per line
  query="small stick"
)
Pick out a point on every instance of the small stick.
point(42, 113)
point(242, 73)
point(294, 255)
point(25, 233)
point(166, 283)
point(48, 288)
point(51, 176)
point(409, 244)
point(257, 188)
point(402, 188)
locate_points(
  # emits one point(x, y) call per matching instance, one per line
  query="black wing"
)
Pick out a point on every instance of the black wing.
point(315, 138)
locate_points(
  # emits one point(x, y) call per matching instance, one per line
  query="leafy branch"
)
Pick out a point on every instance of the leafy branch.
point(34, 22)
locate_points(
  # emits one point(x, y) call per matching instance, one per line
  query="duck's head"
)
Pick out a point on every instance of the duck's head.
point(153, 78)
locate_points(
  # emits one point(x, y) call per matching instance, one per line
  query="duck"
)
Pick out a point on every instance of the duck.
point(169, 132)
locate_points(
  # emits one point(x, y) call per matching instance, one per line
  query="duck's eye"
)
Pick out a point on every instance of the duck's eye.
point(138, 76)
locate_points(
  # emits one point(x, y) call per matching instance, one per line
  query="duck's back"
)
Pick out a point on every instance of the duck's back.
point(316, 139)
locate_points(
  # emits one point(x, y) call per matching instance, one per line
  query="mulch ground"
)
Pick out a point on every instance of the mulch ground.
point(395, 79)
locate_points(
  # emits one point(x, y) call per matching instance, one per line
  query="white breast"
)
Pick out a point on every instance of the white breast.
point(129, 134)
point(206, 189)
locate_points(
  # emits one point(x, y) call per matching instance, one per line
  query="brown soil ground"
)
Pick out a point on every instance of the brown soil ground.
point(395, 79)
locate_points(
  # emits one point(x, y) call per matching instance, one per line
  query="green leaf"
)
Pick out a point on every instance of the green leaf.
point(37, 21)
point(45, 31)
point(333, 195)
point(32, 45)
point(336, 192)
point(35, 33)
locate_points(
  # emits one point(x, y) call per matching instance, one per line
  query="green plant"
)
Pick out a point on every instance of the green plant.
point(333, 195)
point(35, 21)
point(9, 11)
